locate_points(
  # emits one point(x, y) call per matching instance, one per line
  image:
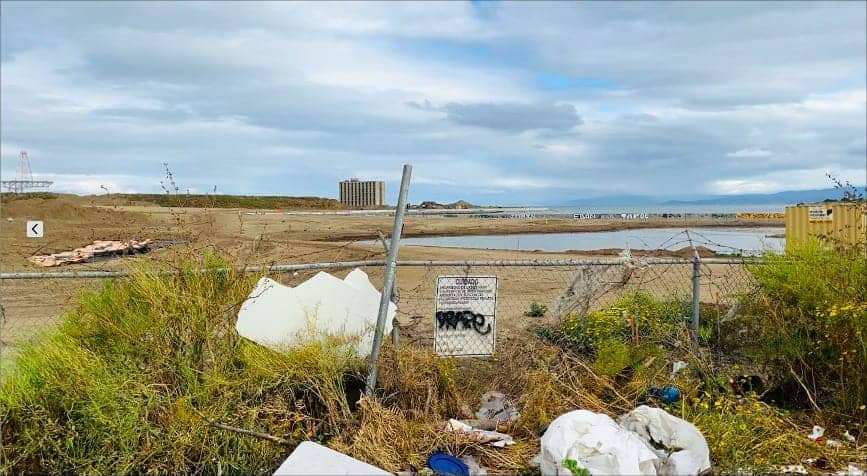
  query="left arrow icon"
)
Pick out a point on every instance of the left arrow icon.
point(35, 229)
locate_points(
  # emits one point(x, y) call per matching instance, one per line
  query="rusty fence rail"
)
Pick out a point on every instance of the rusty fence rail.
point(32, 301)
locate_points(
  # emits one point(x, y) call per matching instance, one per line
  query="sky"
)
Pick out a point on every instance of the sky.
point(492, 102)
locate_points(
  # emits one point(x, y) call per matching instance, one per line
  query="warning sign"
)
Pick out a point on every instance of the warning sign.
point(465, 321)
point(820, 214)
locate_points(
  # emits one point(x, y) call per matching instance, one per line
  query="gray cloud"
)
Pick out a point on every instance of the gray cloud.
point(514, 117)
point(289, 98)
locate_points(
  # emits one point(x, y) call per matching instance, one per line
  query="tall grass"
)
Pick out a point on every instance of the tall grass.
point(126, 382)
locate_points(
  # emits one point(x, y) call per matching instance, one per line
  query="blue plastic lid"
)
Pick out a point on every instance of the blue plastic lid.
point(444, 463)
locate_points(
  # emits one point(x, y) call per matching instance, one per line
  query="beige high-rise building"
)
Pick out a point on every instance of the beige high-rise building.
point(357, 193)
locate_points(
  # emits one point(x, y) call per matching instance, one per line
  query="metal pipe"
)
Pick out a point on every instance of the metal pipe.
point(280, 268)
point(379, 262)
point(388, 279)
point(696, 299)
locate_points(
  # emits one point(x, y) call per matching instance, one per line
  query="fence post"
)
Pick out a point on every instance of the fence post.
point(388, 279)
point(395, 333)
point(696, 298)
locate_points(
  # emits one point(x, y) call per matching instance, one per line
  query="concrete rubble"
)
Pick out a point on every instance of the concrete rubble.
point(495, 406)
point(279, 316)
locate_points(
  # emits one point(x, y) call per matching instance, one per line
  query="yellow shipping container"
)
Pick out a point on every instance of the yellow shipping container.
point(838, 221)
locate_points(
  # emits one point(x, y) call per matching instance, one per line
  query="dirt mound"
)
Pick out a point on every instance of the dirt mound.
point(43, 208)
point(69, 222)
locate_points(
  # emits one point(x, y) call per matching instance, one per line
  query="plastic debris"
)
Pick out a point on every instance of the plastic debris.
point(817, 433)
point(313, 458)
point(793, 469)
point(595, 442)
point(667, 394)
point(473, 466)
point(833, 443)
point(849, 437)
point(445, 464)
point(677, 366)
point(680, 446)
point(853, 470)
point(496, 407)
point(492, 438)
point(278, 316)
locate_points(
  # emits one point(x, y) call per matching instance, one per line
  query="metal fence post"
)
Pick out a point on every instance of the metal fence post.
point(696, 298)
point(388, 279)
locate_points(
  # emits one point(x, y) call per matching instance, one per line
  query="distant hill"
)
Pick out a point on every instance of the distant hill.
point(789, 196)
point(226, 201)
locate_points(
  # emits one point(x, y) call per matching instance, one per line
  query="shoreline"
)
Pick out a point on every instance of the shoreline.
point(564, 226)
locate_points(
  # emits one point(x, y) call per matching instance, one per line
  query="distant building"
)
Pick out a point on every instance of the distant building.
point(359, 194)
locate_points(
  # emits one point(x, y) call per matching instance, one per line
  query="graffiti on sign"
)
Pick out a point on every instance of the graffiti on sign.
point(468, 319)
point(465, 315)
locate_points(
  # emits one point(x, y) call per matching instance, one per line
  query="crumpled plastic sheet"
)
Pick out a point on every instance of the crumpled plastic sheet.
point(647, 442)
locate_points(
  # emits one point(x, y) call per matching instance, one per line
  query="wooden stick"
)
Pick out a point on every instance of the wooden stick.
point(256, 434)
point(805, 389)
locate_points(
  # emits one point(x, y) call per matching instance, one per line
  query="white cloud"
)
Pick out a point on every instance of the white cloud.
point(749, 153)
point(778, 181)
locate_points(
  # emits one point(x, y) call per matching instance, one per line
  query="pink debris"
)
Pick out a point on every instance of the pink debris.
point(97, 249)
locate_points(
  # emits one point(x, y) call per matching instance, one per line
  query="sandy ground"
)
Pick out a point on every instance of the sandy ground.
point(31, 305)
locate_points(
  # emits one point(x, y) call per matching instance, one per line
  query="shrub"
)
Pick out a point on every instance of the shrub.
point(637, 318)
point(537, 310)
point(808, 324)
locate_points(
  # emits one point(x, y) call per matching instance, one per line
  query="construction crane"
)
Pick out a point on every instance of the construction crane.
point(24, 180)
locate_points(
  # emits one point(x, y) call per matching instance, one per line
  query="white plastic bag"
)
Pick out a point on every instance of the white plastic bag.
point(683, 449)
point(595, 442)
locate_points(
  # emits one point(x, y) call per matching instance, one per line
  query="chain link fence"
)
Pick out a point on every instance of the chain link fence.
point(527, 292)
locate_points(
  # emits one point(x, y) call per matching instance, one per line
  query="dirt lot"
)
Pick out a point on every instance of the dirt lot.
point(71, 222)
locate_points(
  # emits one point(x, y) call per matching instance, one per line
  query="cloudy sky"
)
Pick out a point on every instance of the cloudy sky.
point(491, 102)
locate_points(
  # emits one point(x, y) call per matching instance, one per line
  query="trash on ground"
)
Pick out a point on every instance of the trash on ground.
point(492, 438)
point(667, 394)
point(596, 443)
point(680, 446)
point(446, 464)
point(833, 443)
point(496, 407)
point(817, 433)
point(279, 316)
point(313, 458)
point(849, 437)
point(473, 466)
point(677, 366)
point(853, 470)
point(97, 249)
point(793, 469)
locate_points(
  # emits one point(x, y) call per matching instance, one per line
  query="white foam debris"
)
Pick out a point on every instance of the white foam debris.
point(279, 316)
point(313, 458)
